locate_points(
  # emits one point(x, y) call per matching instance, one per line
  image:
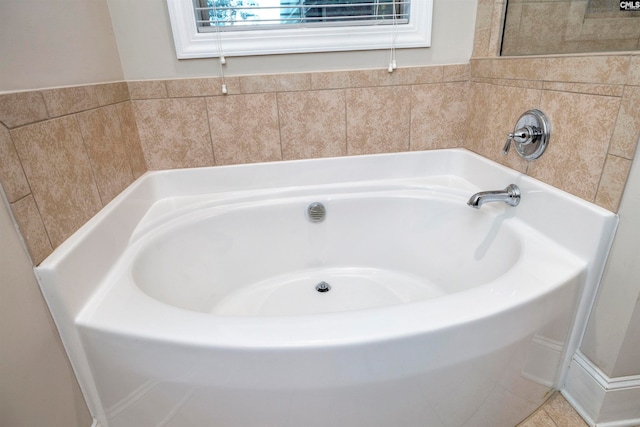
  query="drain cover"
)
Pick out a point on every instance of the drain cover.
point(316, 212)
point(323, 287)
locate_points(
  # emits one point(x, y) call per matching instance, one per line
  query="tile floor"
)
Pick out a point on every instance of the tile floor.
point(556, 412)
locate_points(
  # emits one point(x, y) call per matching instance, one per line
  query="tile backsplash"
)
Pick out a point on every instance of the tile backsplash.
point(593, 105)
point(66, 152)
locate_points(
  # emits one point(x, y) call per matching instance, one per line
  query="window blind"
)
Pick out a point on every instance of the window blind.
point(226, 15)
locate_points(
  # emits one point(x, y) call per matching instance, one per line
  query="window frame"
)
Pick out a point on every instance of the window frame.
point(189, 43)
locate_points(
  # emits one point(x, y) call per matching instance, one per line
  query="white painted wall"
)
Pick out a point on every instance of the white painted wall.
point(147, 50)
point(37, 385)
point(46, 43)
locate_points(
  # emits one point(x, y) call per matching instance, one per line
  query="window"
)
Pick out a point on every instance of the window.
point(207, 28)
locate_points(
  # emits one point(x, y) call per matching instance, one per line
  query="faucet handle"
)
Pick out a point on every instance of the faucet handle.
point(531, 135)
point(507, 145)
point(523, 136)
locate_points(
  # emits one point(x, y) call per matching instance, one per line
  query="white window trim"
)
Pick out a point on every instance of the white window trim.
point(191, 44)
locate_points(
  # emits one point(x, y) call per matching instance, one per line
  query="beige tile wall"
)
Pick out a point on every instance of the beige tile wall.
point(593, 106)
point(65, 153)
point(189, 122)
point(592, 100)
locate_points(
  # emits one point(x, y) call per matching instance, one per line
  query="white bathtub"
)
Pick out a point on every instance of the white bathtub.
point(191, 299)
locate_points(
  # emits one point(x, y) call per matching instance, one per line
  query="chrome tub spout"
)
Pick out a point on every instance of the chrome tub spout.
point(510, 196)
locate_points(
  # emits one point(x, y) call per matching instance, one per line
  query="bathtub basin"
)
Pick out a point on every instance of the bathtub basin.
point(192, 299)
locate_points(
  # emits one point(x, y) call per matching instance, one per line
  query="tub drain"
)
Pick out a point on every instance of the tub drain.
point(323, 287)
point(316, 212)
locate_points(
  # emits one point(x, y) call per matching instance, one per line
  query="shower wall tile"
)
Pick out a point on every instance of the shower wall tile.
point(590, 88)
point(634, 70)
point(438, 115)
point(69, 100)
point(32, 228)
point(182, 88)
point(244, 128)
point(479, 99)
point(12, 176)
point(518, 68)
point(588, 69)
point(106, 150)
point(529, 84)
point(411, 76)
point(174, 132)
point(112, 93)
point(59, 173)
point(481, 68)
point(147, 89)
point(22, 108)
point(582, 128)
point(378, 119)
point(313, 124)
point(614, 178)
point(503, 106)
point(131, 138)
point(275, 83)
point(344, 79)
point(456, 73)
point(627, 130)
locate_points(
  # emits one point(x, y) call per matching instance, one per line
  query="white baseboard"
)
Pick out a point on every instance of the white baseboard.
point(600, 400)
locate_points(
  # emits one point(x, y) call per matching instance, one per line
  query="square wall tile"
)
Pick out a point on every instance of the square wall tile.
point(131, 138)
point(22, 108)
point(244, 128)
point(588, 69)
point(182, 88)
point(457, 73)
point(313, 124)
point(32, 229)
point(275, 82)
point(109, 160)
point(12, 177)
point(69, 100)
point(174, 133)
point(344, 79)
point(59, 172)
point(147, 89)
point(439, 115)
point(581, 127)
point(378, 119)
point(614, 178)
point(112, 93)
point(627, 130)
point(634, 70)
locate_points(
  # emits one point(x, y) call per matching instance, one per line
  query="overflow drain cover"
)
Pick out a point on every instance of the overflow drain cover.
point(323, 287)
point(316, 212)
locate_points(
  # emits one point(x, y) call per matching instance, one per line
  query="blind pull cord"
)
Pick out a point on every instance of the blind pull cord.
point(394, 33)
point(223, 60)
